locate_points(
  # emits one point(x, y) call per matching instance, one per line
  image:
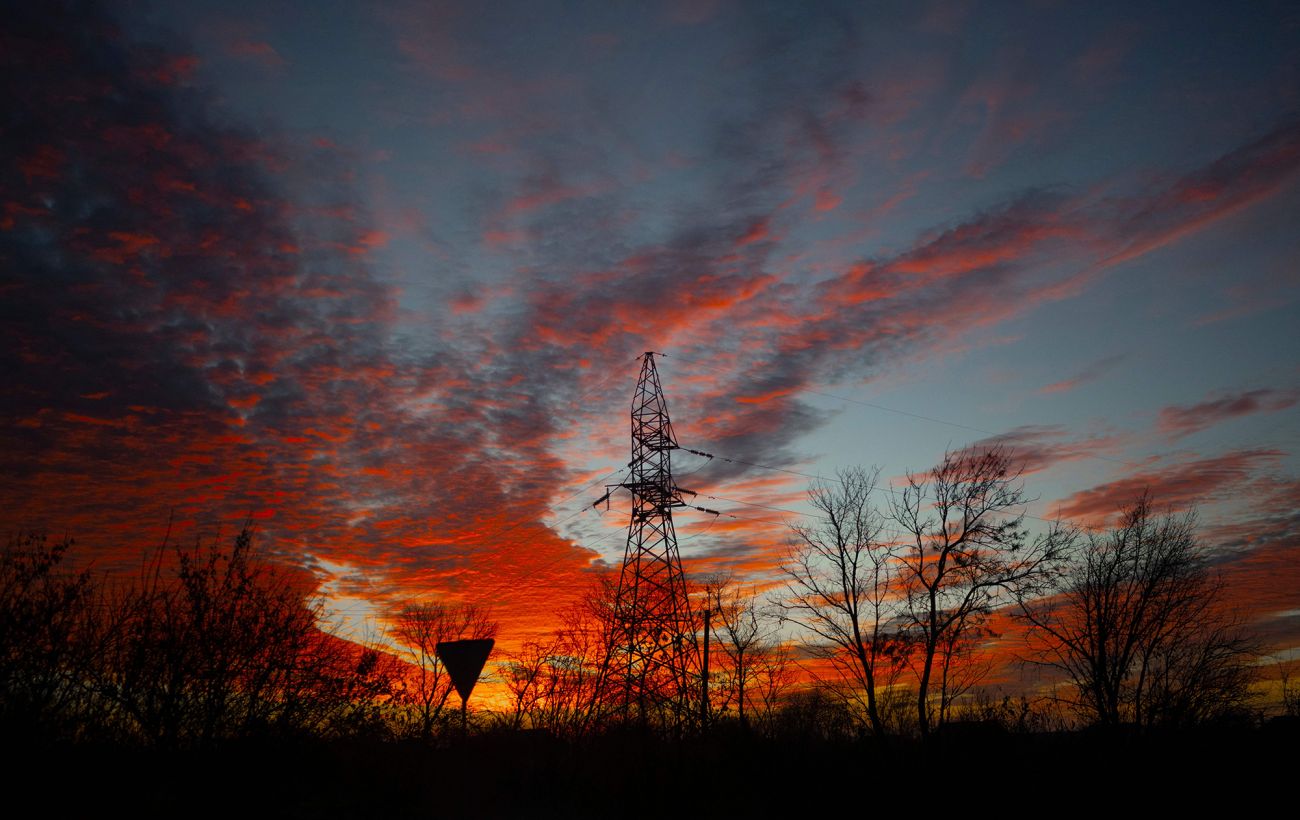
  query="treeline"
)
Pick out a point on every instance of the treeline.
point(885, 627)
point(902, 602)
point(208, 644)
point(211, 643)
point(916, 591)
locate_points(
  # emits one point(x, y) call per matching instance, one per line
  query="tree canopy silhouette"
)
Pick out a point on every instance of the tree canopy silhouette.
point(1137, 625)
point(421, 627)
point(967, 552)
point(841, 587)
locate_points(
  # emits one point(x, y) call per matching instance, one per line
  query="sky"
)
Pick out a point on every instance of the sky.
point(377, 275)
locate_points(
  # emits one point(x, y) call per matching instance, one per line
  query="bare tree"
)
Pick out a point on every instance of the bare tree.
point(527, 679)
point(211, 646)
point(49, 637)
point(1137, 626)
point(346, 689)
point(214, 643)
point(555, 683)
point(421, 627)
point(210, 643)
point(1288, 689)
point(967, 553)
point(774, 676)
point(753, 664)
point(960, 665)
point(840, 573)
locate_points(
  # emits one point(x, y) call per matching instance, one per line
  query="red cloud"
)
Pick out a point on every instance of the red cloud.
point(221, 352)
point(1177, 422)
point(1264, 585)
point(1177, 486)
point(257, 51)
point(245, 359)
point(757, 233)
point(1089, 374)
point(1036, 448)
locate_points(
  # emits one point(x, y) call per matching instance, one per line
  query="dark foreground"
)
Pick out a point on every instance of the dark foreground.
point(725, 775)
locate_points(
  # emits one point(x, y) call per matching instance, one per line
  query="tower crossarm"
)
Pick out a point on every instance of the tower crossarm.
point(648, 670)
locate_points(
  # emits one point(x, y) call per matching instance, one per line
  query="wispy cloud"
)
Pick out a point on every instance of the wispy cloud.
point(1037, 448)
point(1087, 375)
point(1178, 486)
point(196, 317)
point(1184, 420)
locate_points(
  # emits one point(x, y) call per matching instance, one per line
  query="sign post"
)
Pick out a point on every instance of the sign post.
point(464, 661)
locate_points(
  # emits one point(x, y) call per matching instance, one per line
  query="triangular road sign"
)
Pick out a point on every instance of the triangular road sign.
point(464, 661)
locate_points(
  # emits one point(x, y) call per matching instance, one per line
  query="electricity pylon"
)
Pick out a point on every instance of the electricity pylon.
point(648, 672)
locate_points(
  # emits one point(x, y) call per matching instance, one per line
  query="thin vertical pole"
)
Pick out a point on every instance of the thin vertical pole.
point(704, 695)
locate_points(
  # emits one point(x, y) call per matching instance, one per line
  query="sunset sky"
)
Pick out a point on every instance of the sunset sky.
point(378, 274)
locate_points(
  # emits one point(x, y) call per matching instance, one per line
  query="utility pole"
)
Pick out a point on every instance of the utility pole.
point(704, 675)
point(648, 669)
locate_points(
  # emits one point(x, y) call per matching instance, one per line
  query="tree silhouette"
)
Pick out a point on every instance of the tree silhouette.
point(967, 552)
point(555, 683)
point(1288, 690)
point(216, 644)
point(840, 584)
point(209, 644)
point(49, 637)
point(421, 627)
point(1136, 624)
point(752, 667)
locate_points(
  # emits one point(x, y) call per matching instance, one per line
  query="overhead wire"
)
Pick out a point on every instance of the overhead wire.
point(534, 576)
point(884, 488)
point(887, 409)
point(551, 508)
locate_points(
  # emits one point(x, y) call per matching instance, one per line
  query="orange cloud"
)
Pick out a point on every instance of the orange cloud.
point(1177, 486)
point(1177, 422)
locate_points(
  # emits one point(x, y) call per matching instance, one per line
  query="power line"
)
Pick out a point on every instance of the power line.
point(535, 575)
point(754, 504)
point(824, 394)
point(887, 489)
point(655, 641)
point(613, 371)
point(907, 413)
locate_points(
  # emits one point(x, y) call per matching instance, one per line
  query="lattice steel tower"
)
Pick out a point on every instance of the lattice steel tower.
point(650, 665)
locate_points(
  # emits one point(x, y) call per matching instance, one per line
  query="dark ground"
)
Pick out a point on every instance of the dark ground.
point(725, 775)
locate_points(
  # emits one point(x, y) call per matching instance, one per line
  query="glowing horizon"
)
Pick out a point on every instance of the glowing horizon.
point(379, 284)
